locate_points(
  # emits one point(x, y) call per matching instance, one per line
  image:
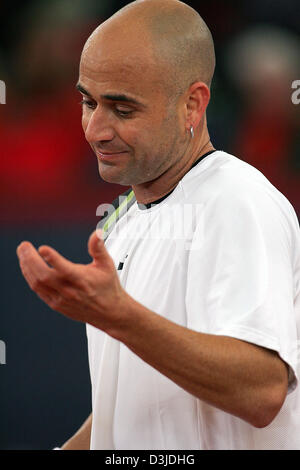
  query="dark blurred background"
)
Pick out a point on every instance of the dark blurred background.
point(50, 187)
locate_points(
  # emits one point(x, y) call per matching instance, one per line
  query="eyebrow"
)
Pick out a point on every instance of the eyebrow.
point(111, 97)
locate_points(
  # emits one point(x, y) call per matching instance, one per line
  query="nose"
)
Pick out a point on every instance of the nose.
point(97, 127)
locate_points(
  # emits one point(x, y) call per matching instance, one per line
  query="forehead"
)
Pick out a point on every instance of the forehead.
point(121, 65)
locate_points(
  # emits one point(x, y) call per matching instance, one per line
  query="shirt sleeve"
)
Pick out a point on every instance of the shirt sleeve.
point(240, 274)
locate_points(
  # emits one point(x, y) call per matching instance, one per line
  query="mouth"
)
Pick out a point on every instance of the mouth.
point(109, 155)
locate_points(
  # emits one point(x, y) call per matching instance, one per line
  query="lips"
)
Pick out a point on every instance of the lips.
point(104, 155)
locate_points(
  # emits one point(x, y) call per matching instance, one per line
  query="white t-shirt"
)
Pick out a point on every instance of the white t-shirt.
point(219, 255)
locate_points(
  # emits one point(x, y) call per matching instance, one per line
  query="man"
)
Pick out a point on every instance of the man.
point(192, 333)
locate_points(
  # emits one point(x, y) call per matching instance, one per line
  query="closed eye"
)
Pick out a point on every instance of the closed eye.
point(90, 104)
point(123, 112)
point(120, 110)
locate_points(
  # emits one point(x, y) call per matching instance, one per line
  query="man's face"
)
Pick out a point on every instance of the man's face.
point(128, 120)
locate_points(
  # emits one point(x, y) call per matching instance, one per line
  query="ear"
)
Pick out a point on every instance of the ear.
point(198, 96)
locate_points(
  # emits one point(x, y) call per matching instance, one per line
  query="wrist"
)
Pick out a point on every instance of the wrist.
point(132, 321)
point(124, 317)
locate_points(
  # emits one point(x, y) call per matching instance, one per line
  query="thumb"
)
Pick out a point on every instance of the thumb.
point(97, 249)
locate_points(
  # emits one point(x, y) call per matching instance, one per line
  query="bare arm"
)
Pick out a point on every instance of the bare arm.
point(81, 439)
point(238, 377)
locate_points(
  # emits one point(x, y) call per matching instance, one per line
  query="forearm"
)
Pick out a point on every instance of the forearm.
point(243, 379)
point(237, 377)
point(81, 439)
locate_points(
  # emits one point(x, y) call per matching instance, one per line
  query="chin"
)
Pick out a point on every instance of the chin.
point(114, 176)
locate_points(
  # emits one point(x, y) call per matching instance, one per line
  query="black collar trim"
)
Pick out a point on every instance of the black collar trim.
point(157, 201)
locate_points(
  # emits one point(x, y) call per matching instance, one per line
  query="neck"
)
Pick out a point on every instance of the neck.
point(146, 193)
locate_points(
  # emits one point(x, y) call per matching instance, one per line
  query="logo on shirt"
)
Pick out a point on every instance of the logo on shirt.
point(121, 263)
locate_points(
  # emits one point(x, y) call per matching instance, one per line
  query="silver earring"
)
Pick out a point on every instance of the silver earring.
point(192, 132)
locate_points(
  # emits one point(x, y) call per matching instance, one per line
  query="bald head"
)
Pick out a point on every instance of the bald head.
point(144, 76)
point(172, 36)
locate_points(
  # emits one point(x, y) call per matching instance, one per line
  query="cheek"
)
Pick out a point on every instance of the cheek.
point(132, 134)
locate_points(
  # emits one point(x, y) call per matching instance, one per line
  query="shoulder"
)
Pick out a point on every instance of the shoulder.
point(223, 178)
point(220, 172)
point(230, 191)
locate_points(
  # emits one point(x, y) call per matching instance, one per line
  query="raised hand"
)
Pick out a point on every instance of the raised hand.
point(88, 293)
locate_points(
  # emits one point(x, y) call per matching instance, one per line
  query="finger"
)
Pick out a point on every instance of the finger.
point(42, 289)
point(32, 265)
point(23, 249)
point(63, 266)
point(40, 284)
point(47, 294)
point(97, 249)
point(27, 275)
